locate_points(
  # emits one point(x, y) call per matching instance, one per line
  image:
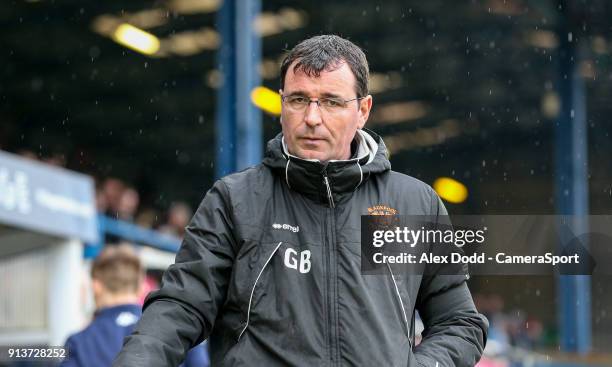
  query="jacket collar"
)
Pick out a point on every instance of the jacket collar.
point(331, 182)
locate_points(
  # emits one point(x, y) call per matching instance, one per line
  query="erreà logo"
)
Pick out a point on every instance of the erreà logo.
point(381, 210)
point(286, 227)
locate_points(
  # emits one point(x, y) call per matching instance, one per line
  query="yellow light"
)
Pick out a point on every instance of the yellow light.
point(450, 190)
point(266, 99)
point(136, 39)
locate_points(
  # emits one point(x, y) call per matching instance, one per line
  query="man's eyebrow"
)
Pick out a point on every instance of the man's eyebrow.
point(296, 93)
point(330, 95)
point(303, 93)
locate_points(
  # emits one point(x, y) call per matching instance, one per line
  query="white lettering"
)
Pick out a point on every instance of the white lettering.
point(15, 195)
point(290, 259)
point(287, 227)
point(378, 238)
point(305, 261)
point(59, 203)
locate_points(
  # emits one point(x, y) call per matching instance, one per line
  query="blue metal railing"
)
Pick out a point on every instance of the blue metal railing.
point(132, 233)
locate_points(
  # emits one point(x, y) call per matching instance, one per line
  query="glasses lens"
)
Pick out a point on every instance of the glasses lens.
point(332, 104)
point(296, 102)
point(299, 103)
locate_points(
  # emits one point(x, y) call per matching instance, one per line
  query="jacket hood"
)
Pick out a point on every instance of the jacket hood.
point(329, 182)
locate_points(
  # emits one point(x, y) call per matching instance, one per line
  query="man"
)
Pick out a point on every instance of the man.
point(116, 282)
point(269, 270)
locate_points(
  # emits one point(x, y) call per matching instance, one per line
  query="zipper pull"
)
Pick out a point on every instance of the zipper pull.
point(330, 198)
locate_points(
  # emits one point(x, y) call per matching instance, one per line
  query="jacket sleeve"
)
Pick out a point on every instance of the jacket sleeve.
point(455, 333)
point(181, 314)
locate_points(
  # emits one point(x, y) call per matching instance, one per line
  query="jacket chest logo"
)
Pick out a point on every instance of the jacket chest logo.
point(286, 227)
point(381, 210)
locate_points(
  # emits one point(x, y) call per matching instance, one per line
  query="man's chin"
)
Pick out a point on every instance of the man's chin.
point(311, 154)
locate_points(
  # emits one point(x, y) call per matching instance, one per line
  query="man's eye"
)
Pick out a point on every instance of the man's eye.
point(331, 102)
point(298, 99)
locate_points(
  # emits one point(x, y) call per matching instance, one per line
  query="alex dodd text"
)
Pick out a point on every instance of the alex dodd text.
point(459, 238)
point(476, 258)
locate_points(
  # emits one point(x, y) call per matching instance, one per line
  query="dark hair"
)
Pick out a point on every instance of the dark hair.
point(328, 52)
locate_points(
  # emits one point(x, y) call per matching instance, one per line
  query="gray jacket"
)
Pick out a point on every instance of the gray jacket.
point(269, 271)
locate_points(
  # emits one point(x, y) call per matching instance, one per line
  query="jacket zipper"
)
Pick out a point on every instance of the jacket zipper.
point(330, 197)
point(332, 317)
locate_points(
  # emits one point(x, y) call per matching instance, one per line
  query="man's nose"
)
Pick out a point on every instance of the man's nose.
point(312, 116)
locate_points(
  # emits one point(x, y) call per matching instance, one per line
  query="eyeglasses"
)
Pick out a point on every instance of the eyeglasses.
point(297, 103)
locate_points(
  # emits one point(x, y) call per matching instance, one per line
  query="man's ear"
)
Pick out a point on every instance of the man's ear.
point(97, 287)
point(365, 105)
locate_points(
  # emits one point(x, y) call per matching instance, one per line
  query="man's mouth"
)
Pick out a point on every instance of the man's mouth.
point(311, 142)
point(311, 138)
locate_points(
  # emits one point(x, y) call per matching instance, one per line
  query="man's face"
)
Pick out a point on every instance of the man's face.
point(316, 132)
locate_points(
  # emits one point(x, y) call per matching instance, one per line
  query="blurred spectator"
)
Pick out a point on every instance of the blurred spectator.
point(147, 218)
point(118, 200)
point(117, 277)
point(116, 281)
point(534, 332)
point(128, 204)
point(507, 330)
point(28, 154)
point(112, 189)
point(101, 201)
point(56, 159)
point(525, 332)
point(498, 344)
point(179, 215)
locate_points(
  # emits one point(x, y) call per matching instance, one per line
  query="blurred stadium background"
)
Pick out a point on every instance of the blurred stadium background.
point(502, 105)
